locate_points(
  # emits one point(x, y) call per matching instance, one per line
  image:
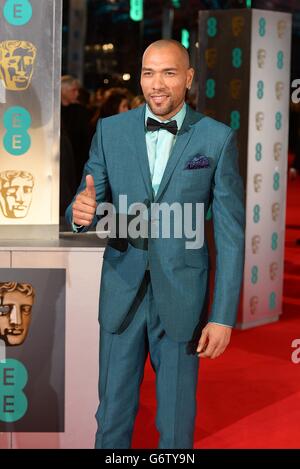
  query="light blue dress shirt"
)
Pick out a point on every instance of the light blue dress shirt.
point(159, 145)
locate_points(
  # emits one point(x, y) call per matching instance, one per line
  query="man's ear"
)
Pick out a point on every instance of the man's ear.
point(190, 76)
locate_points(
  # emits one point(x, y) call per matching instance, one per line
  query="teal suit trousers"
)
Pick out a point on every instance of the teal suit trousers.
point(122, 361)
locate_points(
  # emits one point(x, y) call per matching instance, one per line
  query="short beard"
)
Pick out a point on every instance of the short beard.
point(161, 113)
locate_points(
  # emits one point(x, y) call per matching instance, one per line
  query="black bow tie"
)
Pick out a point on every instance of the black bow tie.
point(152, 125)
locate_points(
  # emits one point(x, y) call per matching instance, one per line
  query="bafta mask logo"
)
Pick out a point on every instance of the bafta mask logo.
point(236, 88)
point(259, 120)
point(275, 211)
point(16, 301)
point(211, 57)
point(253, 304)
point(273, 268)
point(15, 193)
point(261, 58)
point(279, 87)
point(16, 64)
point(277, 149)
point(237, 25)
point(255, 243)
point(281, 28)
point(257, 180)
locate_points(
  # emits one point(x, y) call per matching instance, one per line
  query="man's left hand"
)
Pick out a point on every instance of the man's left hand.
point(213, 341)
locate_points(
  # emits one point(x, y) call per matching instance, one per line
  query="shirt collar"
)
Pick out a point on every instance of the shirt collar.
point(179, 117)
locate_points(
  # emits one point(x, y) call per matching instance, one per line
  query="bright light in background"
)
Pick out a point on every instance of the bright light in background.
point(126, 76)
point(136, 10)
point(176, 3)
point(108, 47)
point(185, 38)
point(248, 3)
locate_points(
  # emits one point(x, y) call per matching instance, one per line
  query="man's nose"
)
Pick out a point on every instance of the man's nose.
point(15, 315)
point(158, 82)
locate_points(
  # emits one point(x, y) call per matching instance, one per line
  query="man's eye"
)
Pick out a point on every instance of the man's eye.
point(170, 74)
point(147, 74)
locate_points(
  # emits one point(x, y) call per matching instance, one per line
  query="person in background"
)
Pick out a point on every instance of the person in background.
point(74, 126)
point(115, 101)
point(137, 101)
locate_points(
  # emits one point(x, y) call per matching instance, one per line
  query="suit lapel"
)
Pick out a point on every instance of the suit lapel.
point(183, 138)
point(139, 135)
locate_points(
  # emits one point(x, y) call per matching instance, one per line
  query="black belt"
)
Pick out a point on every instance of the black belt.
point(139, 243)
point(121, 244)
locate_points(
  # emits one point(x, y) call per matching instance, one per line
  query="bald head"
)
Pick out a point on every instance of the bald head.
point(166, 75)
point(172, 46)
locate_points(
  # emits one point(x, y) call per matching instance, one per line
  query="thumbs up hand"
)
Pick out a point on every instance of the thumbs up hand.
point(84, 207)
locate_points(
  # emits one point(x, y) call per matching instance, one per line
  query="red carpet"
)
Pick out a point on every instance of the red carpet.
point(249, 397)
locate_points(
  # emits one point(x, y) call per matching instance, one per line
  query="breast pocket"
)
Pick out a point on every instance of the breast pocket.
point(195, 179)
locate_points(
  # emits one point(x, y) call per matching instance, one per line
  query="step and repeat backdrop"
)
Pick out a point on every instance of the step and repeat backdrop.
point(30, 69)
point(244, 81)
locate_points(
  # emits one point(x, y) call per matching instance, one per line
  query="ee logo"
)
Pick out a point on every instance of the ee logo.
point(212, 26)
point(258, 151)
point(272, 300)
point(17, 121)
point(235, 117)
point(13, 379)
point(210, 88)
point(17, 12)
point(274, 241)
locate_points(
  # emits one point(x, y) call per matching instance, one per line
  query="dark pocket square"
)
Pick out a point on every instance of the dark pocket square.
point(198, 162)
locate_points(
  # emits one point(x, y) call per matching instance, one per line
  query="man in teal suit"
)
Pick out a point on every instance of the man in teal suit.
point(154, 291)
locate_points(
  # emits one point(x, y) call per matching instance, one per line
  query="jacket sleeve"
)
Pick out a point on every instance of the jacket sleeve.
point(95, 166)
point(228, 215)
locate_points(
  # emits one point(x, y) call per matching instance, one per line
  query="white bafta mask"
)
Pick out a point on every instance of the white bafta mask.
point(279, 87)
point(281, 28)
point(255, 243)
point(275, 211)
point(253, 304)
point(277, 149)
point(257, 181)
point(273, 268)
point(259, 120)
point(16, 193)
point(261, 58)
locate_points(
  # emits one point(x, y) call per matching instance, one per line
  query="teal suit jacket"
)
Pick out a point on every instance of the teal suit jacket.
point(119, 164)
